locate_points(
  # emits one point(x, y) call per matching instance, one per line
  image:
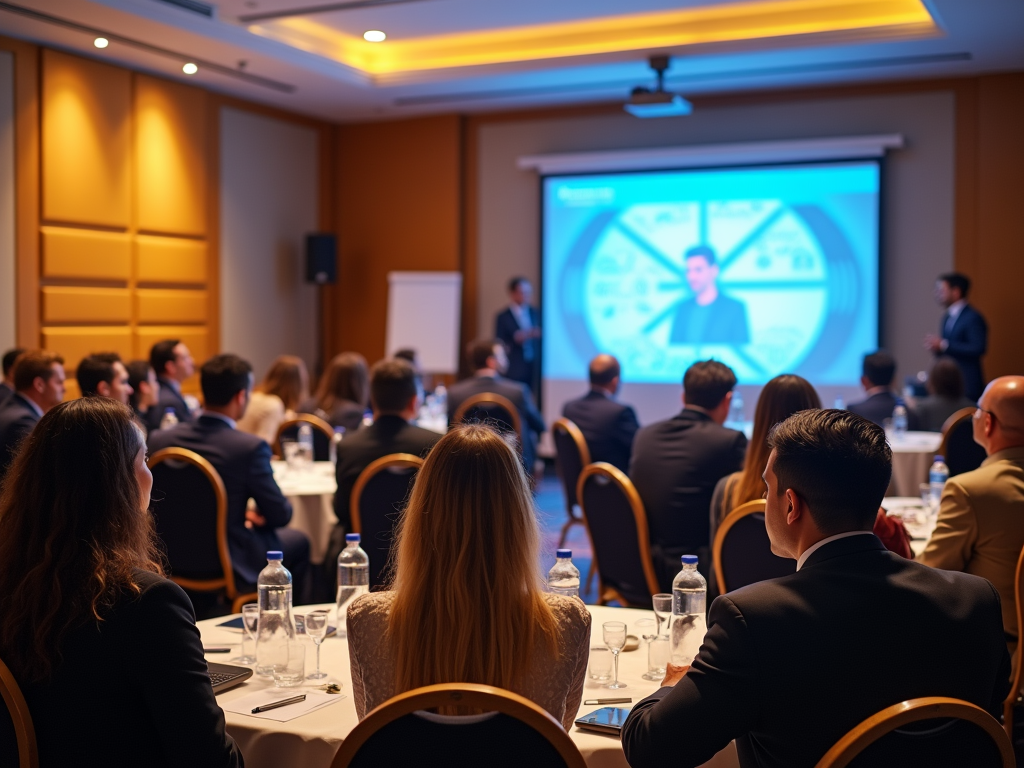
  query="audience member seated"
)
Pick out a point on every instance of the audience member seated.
point(243, 462)
point(489, 362)
point(173, 363)
point(104, 648)
point(677, 463)
point(608, 426)
point(276, 398)
point(877, 373)
point(343, 394)
point(466, 603)
point(7, 383)
point(980, 529)
point(38, 379)
point(789, 665)
point(104, 375)
point(145, 390)
point(945, 387)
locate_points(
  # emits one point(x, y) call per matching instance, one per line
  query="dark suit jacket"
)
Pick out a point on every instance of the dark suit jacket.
point(17, 418)
point(169, 398)
point(132, 690)
point(5, 392)
point(388, 434)
point(243, 462)
point(968, 340)
point(505, 327)
point(607, 425)
point(790, 665)
point(345, 414)
point(879, 407)
point(726, 322)
point(518, 393)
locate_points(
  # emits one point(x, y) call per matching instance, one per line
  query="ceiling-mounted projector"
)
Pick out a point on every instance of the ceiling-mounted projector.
point(643, 102)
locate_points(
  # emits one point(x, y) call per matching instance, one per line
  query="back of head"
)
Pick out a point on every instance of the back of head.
point(946, 379)
point(94, 369)
point(36, 363)
point(222, 377)
point(8, 360)
point(347, 378)
point(469, 533)
point(75, 529)
point(836, 461)
point(706, 383)
point(138, 373)
point(479, 352)
point(408, 354)
point(392, 386)
point(879, 368)
point(162, 353)
point(287, 379)
point(604, 369)
point(957, 280)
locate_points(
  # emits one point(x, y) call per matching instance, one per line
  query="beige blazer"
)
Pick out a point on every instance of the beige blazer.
point(981, 527)
point(264, 416)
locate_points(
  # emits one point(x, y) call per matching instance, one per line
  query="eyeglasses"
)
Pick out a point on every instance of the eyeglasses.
point(981, 410)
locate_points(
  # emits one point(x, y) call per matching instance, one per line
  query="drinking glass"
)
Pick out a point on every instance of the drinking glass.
point(600, 663)
point(647, 629)
point(293, 672)
point(316, 628)
point(250, 617)
point(290, 452)
point(614, 638)
point(663, 611)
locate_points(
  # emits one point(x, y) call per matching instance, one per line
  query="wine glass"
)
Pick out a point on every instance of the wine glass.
point(646, 628)
point(614, 638)
point(250, 618)
point(663, 611)
point(316, 628)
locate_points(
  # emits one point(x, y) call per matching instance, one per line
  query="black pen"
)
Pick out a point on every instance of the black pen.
point(281, 703)
point(608, 701)
point(216, 649)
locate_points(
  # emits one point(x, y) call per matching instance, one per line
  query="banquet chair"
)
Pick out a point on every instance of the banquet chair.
point(617, 526)
point(742, 554)
point(1018, 654)
point(969, 736)
point(958, 448)
point(491, 407)
point(323, 434)
point(376, 502)
point(191, 511)
point(21, 718)
point(571, 455)
point(512, 731)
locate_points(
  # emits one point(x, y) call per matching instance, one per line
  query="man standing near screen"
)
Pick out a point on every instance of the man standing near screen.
point(709, 316)
point(963, 333)
point(518, 326)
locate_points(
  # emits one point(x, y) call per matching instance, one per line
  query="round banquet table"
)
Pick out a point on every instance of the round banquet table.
point(912, 456)
point(311, 740)
point(311, 493)
point(920, 522)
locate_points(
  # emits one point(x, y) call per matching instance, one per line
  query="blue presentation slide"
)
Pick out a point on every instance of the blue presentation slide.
point(769, 269)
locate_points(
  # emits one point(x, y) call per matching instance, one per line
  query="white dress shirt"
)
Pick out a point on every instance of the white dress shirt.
point(815, 547)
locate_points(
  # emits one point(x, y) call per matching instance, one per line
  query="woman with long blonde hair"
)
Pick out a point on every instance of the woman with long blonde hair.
point(275, 399)
point(466, 602)
point(343, 393)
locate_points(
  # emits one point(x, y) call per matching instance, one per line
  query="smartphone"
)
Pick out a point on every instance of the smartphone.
point(604, 720)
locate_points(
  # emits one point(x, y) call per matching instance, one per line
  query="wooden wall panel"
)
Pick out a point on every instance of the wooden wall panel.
point(170, 306)
point(75, 343)
point(170, 157)
point(170, 260)
point(86, 305)
point(85, 254)
point(86, 141)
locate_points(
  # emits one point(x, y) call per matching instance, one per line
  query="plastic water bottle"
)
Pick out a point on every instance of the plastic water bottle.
point(275, 627)
point(441, 401)
point(736, 409)
point(839, 404)
point(564, 577)
point(899, 421)
point(339, 432)
point(169, 419)
point(305, 441)
point(353, 577)
point(689, 623)
point(937, 477)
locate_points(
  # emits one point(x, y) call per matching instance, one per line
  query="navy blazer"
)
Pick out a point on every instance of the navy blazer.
point(17, 418)
point(505, 327)
point(726, 322)
point(607, 425)
point(243, 462)
point(967, 341)
point(5, 392)
point(880, 406)
point(169, 398)
point(789, 665)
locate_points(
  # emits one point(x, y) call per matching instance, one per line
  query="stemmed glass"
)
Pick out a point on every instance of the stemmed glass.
point(250, 617)
point(614, 638)
point(316, 628)
point(646, 629)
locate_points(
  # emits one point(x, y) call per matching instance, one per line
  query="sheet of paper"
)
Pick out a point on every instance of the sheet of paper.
point(314, 700)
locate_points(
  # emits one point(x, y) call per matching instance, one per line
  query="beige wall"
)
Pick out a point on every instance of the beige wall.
point(8, 336)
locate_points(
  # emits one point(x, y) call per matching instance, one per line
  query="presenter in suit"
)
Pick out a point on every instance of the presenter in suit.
point(38, 379)
point(963, 332)
point(607, 425)
point(243, 463)
point(173, 363)
point(709, 316)
point(789, 665)
point(518, 327)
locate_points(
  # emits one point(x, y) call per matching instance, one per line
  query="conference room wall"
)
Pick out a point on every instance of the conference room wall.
point(7, 187)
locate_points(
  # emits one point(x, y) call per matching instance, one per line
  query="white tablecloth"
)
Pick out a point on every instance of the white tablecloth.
point(311, 741)
point(920, 522)
point(912, 456)
point(311, 493)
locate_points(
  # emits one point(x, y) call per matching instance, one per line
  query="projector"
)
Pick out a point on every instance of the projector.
point(643, 102)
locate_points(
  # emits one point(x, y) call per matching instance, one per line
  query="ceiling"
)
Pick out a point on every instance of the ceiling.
point(309, 56)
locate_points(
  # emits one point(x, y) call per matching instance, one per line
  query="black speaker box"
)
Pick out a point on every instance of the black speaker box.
point(321, 258)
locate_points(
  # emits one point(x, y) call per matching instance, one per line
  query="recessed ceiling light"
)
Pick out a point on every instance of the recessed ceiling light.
point(190, 69)
point(374, 36)
point(101, 42)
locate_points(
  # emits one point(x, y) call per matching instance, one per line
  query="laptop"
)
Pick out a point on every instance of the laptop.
point(226, 676)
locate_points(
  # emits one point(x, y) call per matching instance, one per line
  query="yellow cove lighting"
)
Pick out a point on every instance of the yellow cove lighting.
point(101, 42)
point(190, 69)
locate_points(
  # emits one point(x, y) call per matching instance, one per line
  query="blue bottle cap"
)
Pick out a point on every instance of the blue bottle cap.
point(351, 537)
point(689, 559)
point(275, 555)
point(939, 458)
point(563, 553)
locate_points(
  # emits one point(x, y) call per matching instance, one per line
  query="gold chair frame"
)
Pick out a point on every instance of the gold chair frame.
point(491, 398)
point(393, 460)
point(302, 418)
point(743, 510)
point(617, 476)
point(570, 428)
point(485, 698)
point(227, 582)
point(24, 731)
point(912, 711)
point(1018, 654)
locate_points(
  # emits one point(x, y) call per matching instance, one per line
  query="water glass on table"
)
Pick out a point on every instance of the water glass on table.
point(292, 673)
point(290, 453)
point(663, 611)
point(250, 617)
point(615, 638)
point(600, 667)
point(648, 631)
point(316, 628)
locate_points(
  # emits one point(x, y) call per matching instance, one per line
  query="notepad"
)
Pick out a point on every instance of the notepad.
point(314, 700)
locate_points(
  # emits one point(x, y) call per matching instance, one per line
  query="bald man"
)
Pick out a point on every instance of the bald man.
point(607, 425)
point(981, 515)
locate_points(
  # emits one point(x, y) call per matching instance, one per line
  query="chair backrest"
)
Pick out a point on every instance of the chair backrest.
point(491, 407)
point(941, 739)
point(323, 433)
point(190, 505)
point(17, 707)
point(617, 525)
point(376, 503)
point(742, 552)
point(572, 454)
point(1018, 653)
point(958, 448)
point(398, 733)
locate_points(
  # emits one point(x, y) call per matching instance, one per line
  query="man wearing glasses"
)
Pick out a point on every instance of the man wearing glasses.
point(981, 515)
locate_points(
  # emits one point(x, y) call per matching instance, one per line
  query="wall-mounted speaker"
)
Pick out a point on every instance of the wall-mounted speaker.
point(321, 258)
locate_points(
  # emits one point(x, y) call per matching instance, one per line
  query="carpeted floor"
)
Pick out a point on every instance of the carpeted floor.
point(552, 514)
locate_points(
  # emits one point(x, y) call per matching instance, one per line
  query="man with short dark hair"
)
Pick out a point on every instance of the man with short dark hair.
point(243, 463)
point(708, 316)
point(963, 333)
point(518, 327)
point(38, 379)
point(7, 384)
point(104, 375)
point(607, 425)
point(173, 363)
point(677, 462)
point(789, 665)
point(878, 371)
